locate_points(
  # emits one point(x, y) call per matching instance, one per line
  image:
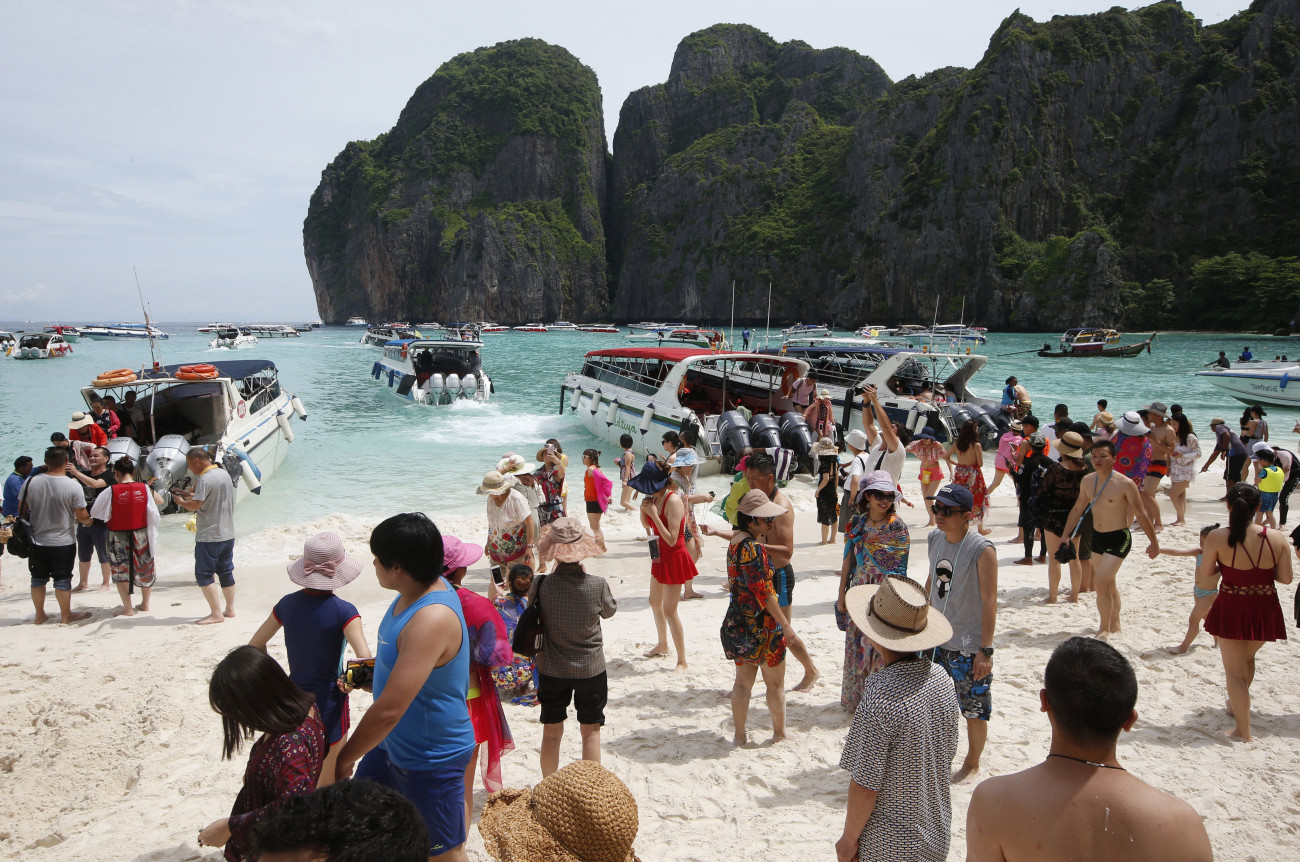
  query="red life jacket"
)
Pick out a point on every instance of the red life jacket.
point(130, 507)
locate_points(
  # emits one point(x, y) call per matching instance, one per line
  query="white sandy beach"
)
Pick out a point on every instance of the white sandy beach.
point(109, 750)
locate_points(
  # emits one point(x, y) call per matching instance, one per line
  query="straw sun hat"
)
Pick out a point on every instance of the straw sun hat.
point(496, 483)
point(825, 446)
point(324, 564)
point(897, 615)
point(581, 813)
point(567, 540)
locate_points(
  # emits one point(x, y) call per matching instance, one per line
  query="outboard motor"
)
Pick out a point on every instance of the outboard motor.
point(997, 415)
point(469, 385)
point(120, 447)
point(959, 414)
point(988, 428)
point(798, 437)
point(166, 460)
point(453, 385)
point(733, 438)
point(764, 431)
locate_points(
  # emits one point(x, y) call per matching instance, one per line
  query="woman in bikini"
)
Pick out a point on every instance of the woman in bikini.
point(1246, 613)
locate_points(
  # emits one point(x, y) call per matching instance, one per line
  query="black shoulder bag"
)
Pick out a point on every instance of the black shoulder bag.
point(20, 543)
point(530, 632)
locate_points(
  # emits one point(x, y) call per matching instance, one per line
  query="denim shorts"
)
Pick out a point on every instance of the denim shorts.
point(52, 563)
point(438, 794)
point(214, 558)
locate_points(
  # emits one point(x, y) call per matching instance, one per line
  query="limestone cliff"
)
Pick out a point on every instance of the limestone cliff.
point(482, 202)
point(1132, 168)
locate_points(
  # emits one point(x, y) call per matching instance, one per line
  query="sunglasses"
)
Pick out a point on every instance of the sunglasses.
point(945, 511)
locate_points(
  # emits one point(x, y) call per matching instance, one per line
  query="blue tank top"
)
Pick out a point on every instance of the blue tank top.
point(435, 729)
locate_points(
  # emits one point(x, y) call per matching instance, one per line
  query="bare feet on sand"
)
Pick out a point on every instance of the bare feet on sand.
point(656, 652)
point(1016, 541)
point(105, 586)
point(1023, 561)
point(41, 618)
point(966, 771)
point(1234, 736)
point(210, 620)
point(229, 613)
point(127, 611)
point(79, 588)
point(1176, 650)
point(809, 680)
point(692, 595)
point(142, 607)
point(1102, 636)
point(680, 667)
point(75, 617)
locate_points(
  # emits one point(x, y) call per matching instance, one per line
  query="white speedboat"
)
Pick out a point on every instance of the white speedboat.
point(233, 338)
point(533, 327)
point(434, 371)
point(647, 326)
point(1276, 383)
point(70, 333)
point(236, 409)
point(708, 338)
point(378, 336)
point(598, 327)
point(562, 326)
point(273, 330)
point(41, 345)
point(356, 321)
point(645, 391)
point(488, 326)
point(872, 330)
point(954, 332)
point(213, 327)
point(122, 330)
point(809, 329)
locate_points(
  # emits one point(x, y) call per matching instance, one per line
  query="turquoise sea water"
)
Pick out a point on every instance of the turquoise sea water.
point(364, 452)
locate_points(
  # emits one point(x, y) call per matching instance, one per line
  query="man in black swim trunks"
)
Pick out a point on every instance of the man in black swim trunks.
point(1114, 501)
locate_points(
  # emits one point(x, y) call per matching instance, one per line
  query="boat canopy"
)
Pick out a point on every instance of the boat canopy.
point(235, 369)
point(663, 354)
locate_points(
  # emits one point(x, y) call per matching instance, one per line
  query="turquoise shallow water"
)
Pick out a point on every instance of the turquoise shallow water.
point(364, 452)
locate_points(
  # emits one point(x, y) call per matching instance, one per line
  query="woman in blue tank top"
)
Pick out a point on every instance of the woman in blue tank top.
point(417, 737)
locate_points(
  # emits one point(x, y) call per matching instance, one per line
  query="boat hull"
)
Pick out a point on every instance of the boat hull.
point(1257, 387)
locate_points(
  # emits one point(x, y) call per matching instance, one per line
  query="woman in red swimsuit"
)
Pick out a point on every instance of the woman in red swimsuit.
point(1246, 614)
point(663, 511)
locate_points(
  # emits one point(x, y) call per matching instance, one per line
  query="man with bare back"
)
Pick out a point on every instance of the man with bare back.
point(1114, 501)
point(778, 539)
point(1163, 440)
point(1079, 804)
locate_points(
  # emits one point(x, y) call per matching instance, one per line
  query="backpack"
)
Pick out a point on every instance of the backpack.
point(1033, 484)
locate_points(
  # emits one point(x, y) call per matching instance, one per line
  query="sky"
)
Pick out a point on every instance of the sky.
point(184, 139)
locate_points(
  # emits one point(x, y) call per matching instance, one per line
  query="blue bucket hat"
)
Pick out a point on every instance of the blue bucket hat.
point(651, 480)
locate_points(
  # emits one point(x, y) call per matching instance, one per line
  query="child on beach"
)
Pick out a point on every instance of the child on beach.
point(1204, 591)
point(1005, 461)
point(316, 623)
point(597, 493)
point(516, 681)
point(626, 470)
point(1270, 480)
point(828, 500)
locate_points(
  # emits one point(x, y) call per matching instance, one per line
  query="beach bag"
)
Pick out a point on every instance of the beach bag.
point(530, 633)
point(20, 542)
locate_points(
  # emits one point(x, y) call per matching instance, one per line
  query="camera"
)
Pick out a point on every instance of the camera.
point(1065, 553)
point(360, 673)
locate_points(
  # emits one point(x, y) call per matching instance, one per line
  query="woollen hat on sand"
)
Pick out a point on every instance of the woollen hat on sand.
point(324, 564)
point(581, 813)
point(567, 540)
point(896, 614)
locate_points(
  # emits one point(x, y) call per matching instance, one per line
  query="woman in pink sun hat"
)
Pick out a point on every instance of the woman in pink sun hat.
point(316, 623)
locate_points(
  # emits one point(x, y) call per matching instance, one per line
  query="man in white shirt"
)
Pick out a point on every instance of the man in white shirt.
point(856, 442)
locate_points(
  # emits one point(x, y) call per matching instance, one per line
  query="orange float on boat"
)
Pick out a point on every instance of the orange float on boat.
point(196, 372)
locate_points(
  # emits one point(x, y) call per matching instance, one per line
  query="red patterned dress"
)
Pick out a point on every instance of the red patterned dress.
point(674, 565)
point(280, 765)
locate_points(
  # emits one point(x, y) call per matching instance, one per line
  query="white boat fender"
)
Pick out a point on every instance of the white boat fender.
point(252, 475)
point(298, 408)
point(647, 416)
point(469, 385)
point(576, 398)
point(283, 422)
point(611, 415)
point(595, 402)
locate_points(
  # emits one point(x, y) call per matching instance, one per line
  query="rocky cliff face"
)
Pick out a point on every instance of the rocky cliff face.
point(1082, 173)
point(483, 202)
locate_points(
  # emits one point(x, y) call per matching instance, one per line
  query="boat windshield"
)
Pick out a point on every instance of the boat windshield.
point(38, 341)
point(628, 372)
point(428, 361)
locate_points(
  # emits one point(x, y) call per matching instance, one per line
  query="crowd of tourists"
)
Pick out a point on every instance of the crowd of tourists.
point(919, 649)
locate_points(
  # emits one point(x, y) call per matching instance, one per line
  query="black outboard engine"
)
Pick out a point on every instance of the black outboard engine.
point(764, 431)
point(798, 437)
point(733, 438)
point(989, 431)
point(1000, 417)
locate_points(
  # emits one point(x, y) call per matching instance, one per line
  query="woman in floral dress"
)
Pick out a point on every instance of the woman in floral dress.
point(969, 469)
point(755, 628)
point(876, 547)
point(1182, 467)
point(929, 450)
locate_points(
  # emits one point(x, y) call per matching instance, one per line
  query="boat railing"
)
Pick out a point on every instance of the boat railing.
point(639, 375)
